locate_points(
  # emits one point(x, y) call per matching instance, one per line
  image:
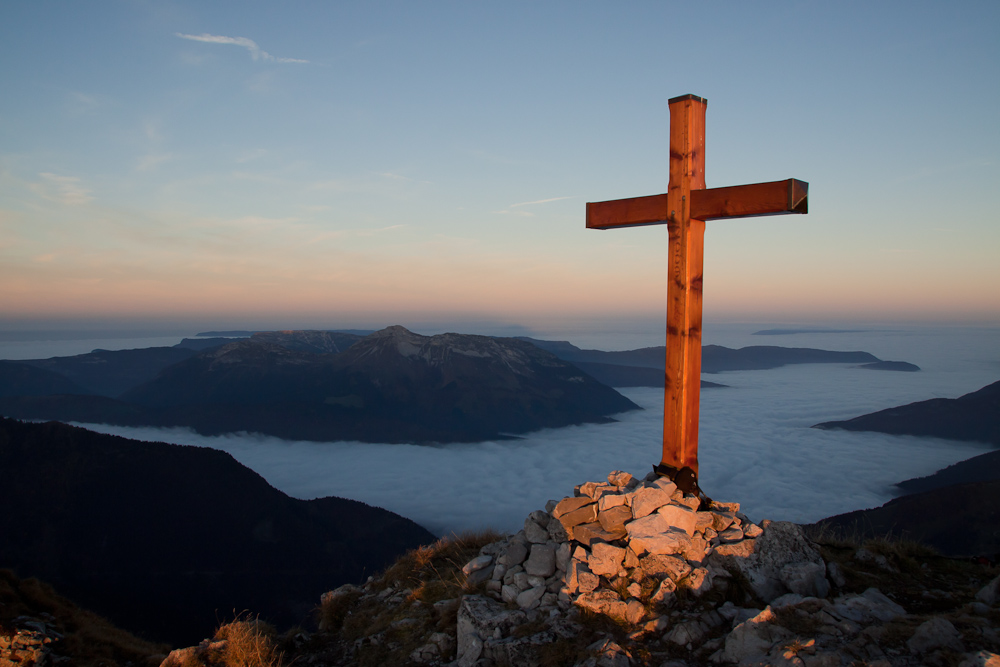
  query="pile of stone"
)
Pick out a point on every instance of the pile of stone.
point(29, 643)
point(650, 558)
point(624, 547)
point(631, 572)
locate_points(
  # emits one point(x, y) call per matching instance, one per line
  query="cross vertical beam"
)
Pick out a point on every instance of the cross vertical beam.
point(682, 387)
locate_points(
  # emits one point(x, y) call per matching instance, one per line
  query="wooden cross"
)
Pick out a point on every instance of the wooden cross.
point(685, 208)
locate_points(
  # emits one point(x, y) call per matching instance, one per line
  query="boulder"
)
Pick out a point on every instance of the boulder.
point(531, 598)
point(542, 561)
point(990, 593)
point(535, 533)
point(646, 500)
point(557, 532)
point(480, 617)
point(514, 555)
point(589, 533)
point(614, 519)
point(603, 601)
point(665, 594)
point(605, 559)
point(934, 634)
point(689, 632)
point(680, 517)
point(584, 515)
point(699, 581)
point(606, 653)
point(613, 500)
point(659, 566)
point(754, 638)
point(806, 578)
point(579, 579)
point(569, 505)
point(652, 534)
point(477, 563)
point(761, 561)
point(870, 606)
point(619, 478)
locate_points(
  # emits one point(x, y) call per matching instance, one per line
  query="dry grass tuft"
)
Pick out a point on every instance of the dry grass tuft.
point(250, 642)
point(434, 571)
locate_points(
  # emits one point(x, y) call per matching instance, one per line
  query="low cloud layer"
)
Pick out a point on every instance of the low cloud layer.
point(756, 448)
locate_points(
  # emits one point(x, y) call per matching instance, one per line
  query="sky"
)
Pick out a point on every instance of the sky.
point(349, 164)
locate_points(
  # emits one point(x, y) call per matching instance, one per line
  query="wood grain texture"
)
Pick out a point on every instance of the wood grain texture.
point(682, 390)
point(684, 208)
point(737, 201)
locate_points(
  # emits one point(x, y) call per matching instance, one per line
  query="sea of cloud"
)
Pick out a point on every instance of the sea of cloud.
point(756, 444)
point(756, 448)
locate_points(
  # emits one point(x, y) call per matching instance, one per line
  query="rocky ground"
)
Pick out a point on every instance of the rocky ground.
point(630, 572)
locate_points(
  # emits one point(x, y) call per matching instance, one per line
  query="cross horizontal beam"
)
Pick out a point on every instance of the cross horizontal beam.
point(738, 201)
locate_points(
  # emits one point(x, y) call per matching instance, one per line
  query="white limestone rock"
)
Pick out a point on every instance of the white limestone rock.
point(610, 500)
point(603, 601)
point(933, 634)
point(990, 593)
point(870, 606)
point(535, 533)
point(680, 517)
point(806, 579)
point(606, 559)
point(754, 638)
point(563, 555)
point(760, 561)
point(480, 617)
point(579, 578)
point(665, 595)
point(699, 581)
point(619, 478)
point(515, 554)
point(531, 598)
point(652, 534)
point(646, 500)
point(688, 632)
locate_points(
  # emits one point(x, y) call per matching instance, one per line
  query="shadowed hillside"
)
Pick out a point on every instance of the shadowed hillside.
point(164, 539)
point(974, 416)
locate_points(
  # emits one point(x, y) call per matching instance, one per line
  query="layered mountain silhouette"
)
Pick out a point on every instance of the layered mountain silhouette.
point(165, 539)
point(982, 468)
point(110, 373)
point(974, 416)
point(644, 367)
point(390, 386)
point(20, 379)
point(957, 520)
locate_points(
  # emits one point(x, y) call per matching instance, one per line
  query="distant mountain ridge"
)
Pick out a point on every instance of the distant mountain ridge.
point(974, 416)
point(391, 386)
point(714, 359)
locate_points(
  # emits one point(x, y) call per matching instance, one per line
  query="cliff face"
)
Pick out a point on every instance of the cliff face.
point(161, 537)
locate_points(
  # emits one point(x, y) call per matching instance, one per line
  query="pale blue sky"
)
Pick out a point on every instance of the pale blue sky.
point(356, 164)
